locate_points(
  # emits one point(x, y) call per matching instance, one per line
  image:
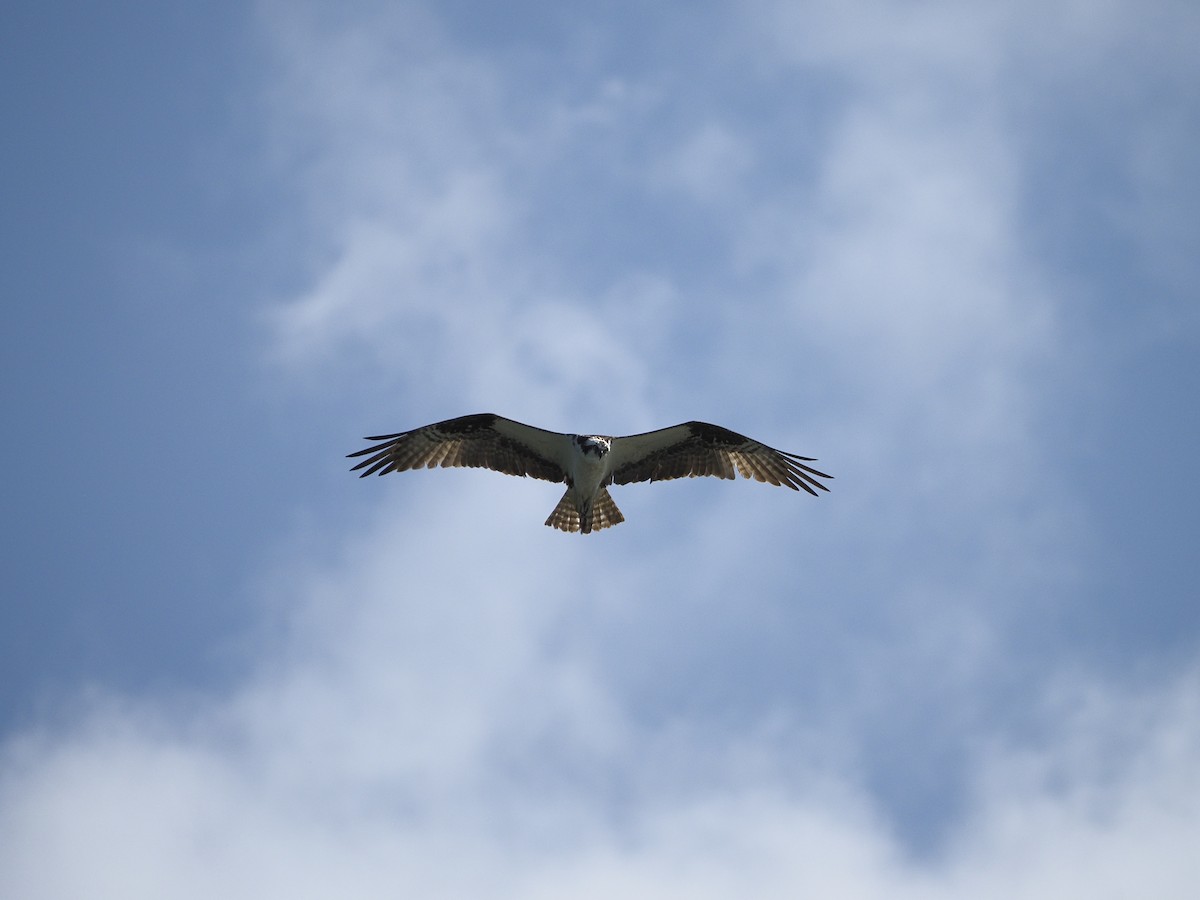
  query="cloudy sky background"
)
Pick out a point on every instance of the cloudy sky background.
point(952, 250)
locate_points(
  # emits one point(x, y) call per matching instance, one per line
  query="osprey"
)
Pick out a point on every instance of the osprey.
point(586, 463)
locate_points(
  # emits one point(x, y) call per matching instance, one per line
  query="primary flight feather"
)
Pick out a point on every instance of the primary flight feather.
point(587, 463)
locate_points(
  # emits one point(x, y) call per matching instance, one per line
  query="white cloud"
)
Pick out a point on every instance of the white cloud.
point(447, 735)
point(429, 278)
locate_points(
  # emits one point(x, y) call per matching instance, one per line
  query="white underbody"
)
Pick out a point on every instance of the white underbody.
point(587, 473)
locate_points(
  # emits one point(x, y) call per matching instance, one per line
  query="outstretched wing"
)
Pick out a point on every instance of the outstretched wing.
point(697, 448)
point(481, 441)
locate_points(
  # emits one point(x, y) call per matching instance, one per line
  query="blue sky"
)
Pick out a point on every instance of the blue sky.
point(952, 250)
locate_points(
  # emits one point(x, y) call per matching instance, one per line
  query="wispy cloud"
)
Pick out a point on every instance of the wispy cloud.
point(449, 736)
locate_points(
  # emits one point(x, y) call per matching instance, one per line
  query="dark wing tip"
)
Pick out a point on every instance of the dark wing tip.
point(386, 438)
point(380, 461)
point(798, 461)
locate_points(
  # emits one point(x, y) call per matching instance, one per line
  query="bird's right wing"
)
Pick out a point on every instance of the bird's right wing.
point(480, 441)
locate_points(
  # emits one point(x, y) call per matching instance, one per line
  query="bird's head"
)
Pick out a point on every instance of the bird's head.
point(593, 444)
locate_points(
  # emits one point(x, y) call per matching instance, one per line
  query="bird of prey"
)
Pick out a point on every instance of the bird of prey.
point(586, 463)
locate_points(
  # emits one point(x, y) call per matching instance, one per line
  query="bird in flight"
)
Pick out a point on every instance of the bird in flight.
point(586, 463)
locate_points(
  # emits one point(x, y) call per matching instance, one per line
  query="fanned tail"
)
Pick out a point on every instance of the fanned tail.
point(600, 513)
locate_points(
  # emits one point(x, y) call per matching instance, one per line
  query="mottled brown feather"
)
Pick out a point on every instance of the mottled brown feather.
point(467, 442)
point(710, 450)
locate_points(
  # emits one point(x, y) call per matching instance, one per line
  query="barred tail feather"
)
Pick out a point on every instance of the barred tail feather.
point(604, 512)
point(601, 513)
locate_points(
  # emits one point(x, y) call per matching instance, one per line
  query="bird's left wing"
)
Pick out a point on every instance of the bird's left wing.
point(698, 448)
point(480, 441)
